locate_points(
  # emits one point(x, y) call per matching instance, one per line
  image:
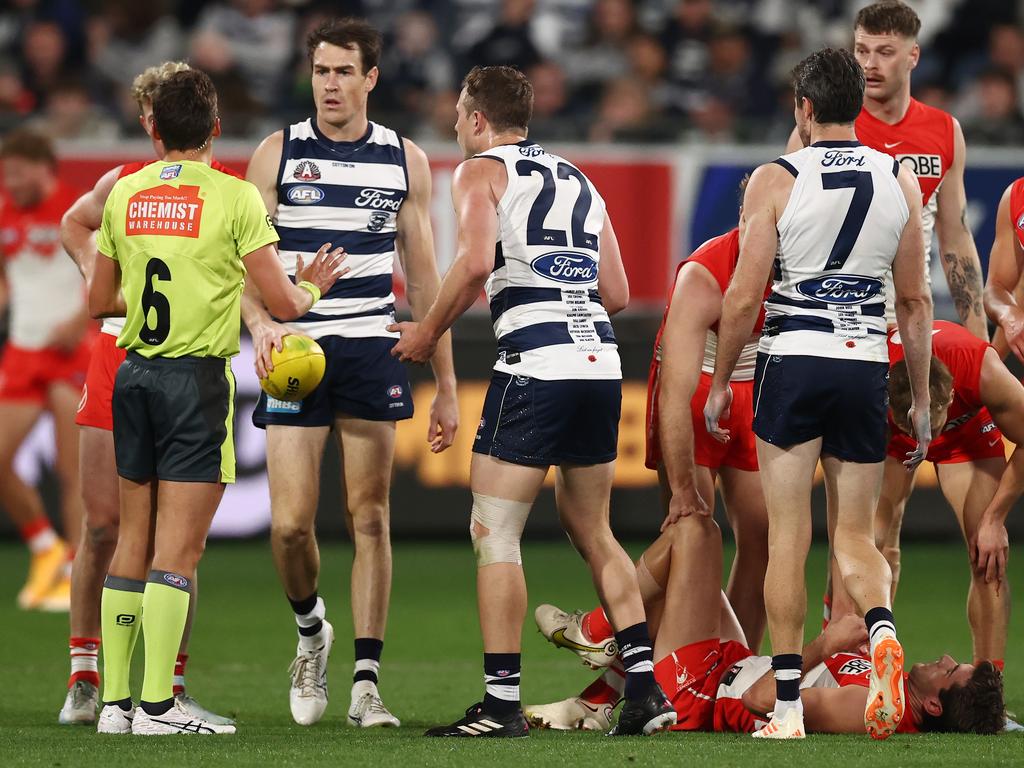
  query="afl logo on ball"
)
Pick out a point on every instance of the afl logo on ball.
point(395, 391)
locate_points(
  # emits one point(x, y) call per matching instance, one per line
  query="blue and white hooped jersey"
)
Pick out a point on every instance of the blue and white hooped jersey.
point(347, 194)
point(547, 315)
point(838, 237)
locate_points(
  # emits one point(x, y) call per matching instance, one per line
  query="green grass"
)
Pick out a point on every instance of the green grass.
point(244, 641)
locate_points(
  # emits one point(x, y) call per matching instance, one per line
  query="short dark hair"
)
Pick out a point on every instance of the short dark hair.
point(977, 706)
point(833, 81)
point(940, 387)
point(28, 145)
point(350, 33)
point(888, 17)
point(503, 94)
point(185, 109)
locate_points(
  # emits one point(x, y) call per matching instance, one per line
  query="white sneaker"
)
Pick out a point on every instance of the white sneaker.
point(570, 715)
point(565, 630)
point(200, 712)
point(790, 726)
point(177, 720)
point(308, 695)
point(113, 719)
point(367, 710)
point(80, 704)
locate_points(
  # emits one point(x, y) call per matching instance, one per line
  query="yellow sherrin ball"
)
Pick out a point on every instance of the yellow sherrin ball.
point(298, 368)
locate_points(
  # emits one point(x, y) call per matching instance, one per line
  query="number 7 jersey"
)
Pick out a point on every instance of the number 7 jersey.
point(838, 236)
point(548, 318)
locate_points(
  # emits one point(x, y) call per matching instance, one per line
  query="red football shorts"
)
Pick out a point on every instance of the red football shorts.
point(26, 375)
point(741, 450)
point(975, 440)
point(690, 675)
point(94, 410)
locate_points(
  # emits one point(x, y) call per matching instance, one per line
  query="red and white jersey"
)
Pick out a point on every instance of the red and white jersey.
point(45, 286)
point(113, 325)
point(1017, 209)
point(719, 256)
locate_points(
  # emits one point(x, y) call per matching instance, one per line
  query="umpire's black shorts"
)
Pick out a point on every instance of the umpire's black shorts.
point(173, 419)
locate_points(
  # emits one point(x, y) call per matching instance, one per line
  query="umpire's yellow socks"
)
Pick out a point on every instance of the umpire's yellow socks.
point(120, 619)
point(164, 610)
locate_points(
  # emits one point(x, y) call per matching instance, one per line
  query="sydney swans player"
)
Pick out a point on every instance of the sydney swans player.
point(834, 218)
point(553, 279)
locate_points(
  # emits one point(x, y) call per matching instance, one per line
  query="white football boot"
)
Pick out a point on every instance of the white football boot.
point(570, 715)
point(175, 721)
point(789, 726)
point(367, 710)
point(565, 630)
point(308, 695)
point(80, 704)
point(113, 719)
point(200, 712)
point(886, 702)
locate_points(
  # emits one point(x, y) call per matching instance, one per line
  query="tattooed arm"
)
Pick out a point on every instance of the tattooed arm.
point(956, 243)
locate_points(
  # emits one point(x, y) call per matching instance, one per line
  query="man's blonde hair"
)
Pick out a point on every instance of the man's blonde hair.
point(144, 85)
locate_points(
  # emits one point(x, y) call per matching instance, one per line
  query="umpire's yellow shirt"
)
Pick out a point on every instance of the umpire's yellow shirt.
point(179, 230)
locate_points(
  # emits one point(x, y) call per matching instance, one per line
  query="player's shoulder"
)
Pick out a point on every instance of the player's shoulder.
point(927, 114)
point(383, 136)
point(953, 337)
point(726, 244)
point(129, 168)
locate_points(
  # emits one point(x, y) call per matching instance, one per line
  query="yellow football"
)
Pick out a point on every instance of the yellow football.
point(298, 368)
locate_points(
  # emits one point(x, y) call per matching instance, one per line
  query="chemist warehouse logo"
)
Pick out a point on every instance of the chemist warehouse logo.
point(165, 210)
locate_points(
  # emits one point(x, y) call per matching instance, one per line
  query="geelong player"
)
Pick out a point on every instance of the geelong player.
point(44, 361)
point(534, 233)
point(833, 218)
point(717, 683)
point(342, 179)
point(96, 444)
point(178, 239)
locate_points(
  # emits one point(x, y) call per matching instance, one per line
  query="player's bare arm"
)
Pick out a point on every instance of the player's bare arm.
point(1005, 264)
point(105, 297)
point(956, 243)
point(763, 203)
point(914, 313)
point(415, 244)
point(289, 300)
point(1003, 395)
point(476, 188)
point(612, 283)
point(696, 305)
point(82, 220)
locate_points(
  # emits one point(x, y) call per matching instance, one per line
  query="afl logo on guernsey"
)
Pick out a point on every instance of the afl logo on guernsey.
point(306, 171)
point(303, 194)
point(566, 267)
point(840, 289)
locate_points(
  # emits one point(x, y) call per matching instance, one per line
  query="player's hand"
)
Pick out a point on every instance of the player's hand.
point(324, 269)
point(266, 337)
point(415, 346)
point(846, 634)
point(444, 420)
point(717, 407)
point(920, 420)
point(68, 335)
point(1013, 329)
point(683, 504)
point(990, 549)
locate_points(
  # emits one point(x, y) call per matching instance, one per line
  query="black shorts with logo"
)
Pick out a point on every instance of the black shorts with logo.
point(173, 419)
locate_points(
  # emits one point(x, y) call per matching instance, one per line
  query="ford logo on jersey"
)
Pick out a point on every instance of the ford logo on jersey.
point(566, 267)
point(304, 194)
point(840, 289)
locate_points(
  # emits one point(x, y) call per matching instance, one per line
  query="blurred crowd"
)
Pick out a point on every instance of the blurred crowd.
point(603, 70)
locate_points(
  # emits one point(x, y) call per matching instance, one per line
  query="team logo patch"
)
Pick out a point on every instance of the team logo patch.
point(567, 267)
point(283, 406)
point(377, 221)
point(170, 172)
point(303, 194)
point(840, 289)
point(306, 170)
point(395, 391)
point(176, 581)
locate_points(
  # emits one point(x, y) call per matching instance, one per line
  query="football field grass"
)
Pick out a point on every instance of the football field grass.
point(244, 640)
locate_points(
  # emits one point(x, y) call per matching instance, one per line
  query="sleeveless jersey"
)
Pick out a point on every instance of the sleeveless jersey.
point(838, 236)
point(923, 141)
point(46, 288)
point(347, 193)
point(1017, 209)
point(114, 325)
point(547, 314)
point(718, 256)
point(179, 230)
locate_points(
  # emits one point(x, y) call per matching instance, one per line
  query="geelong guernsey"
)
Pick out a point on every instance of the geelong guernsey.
point(347, 193)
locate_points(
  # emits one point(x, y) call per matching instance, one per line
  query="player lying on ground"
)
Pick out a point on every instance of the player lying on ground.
point(96, 445)
point(716, 683)
point(687, 458)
